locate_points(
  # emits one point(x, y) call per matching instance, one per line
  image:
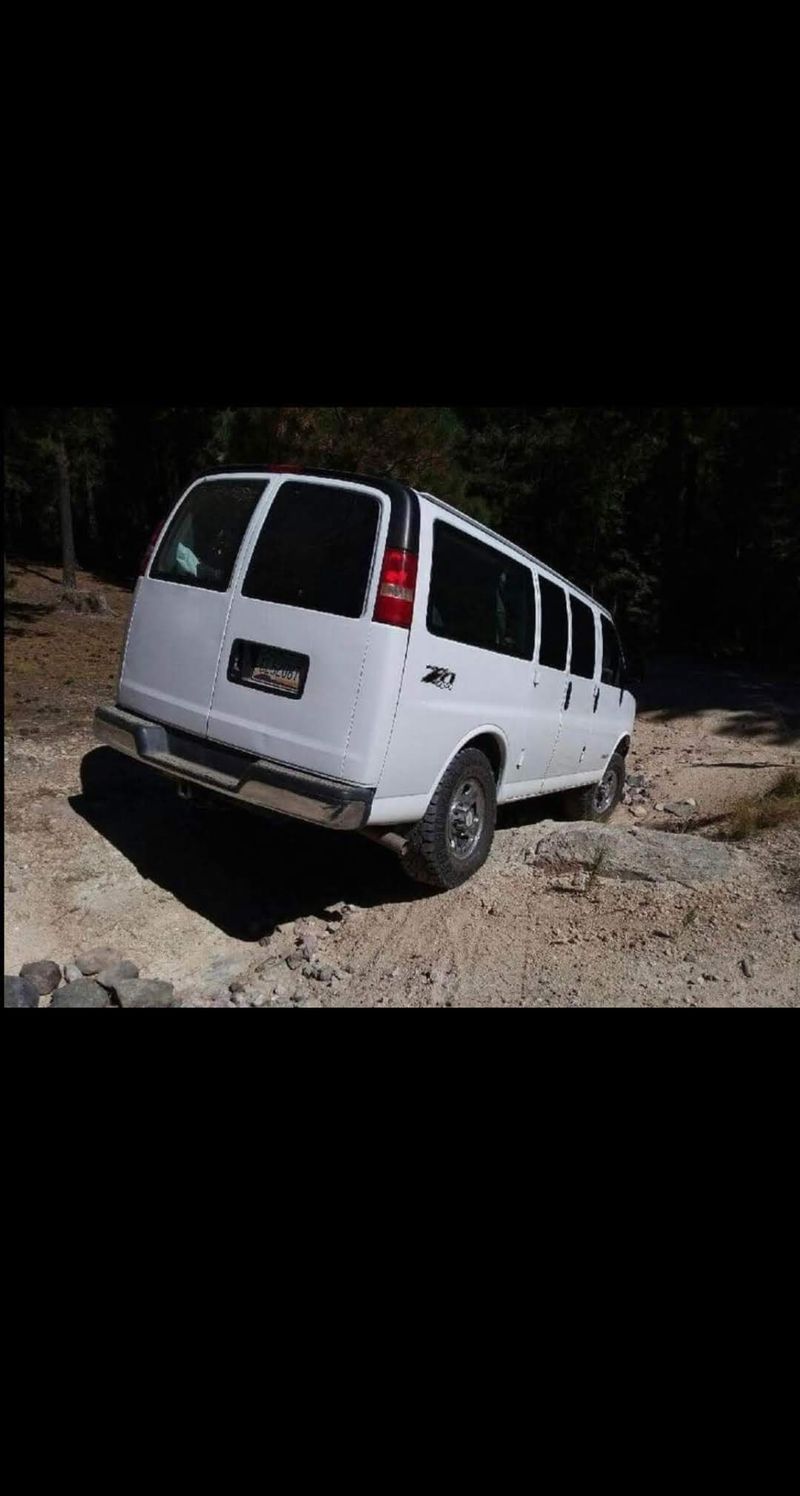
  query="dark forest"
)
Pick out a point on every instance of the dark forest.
point(685, 521)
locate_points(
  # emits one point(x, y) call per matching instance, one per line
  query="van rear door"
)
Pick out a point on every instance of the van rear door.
point(301, 651)
point(181, 604)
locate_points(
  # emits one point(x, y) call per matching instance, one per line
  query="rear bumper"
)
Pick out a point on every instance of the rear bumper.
point(259, 782)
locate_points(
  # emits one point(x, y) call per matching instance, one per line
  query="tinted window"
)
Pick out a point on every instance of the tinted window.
point(479, 596)
point(612, 654)
point(202, 543)
point(315, 549)
point(553, 648)
point(582, 661)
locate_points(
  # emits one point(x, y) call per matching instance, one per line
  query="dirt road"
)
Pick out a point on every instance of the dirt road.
point(203, 898)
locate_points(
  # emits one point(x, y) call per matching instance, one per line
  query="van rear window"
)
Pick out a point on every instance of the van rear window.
point(202, 543)
point(480, 596)
point(315, 549)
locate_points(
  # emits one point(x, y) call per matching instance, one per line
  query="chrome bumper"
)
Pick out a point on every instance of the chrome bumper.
point(259, 782)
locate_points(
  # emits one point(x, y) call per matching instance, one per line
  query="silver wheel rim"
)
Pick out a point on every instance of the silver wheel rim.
point(606, 791)
point(465, 818)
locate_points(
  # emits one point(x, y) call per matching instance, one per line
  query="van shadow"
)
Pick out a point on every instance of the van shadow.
point(242, 871)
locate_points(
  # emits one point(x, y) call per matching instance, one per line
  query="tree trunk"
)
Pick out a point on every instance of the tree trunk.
point(91, 514)
point(65, 513)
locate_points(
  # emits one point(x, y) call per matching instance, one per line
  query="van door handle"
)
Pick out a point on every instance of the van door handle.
point(596, 698)
point(568, 695)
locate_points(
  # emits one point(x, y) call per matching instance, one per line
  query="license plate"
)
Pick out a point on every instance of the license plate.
point(268, 669)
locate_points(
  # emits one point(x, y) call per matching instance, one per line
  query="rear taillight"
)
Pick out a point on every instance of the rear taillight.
point(148, 555)
point(395, 600)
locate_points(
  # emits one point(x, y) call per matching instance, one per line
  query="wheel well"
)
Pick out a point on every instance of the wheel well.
point(622, 746)
point(493, 750)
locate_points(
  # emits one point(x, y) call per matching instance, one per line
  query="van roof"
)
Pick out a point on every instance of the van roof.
point(404, 524)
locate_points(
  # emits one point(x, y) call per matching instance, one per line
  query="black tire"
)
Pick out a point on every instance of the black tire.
point(443, 849)
point(595, 802)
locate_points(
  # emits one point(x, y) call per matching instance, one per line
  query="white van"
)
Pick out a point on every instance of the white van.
point(349, 651)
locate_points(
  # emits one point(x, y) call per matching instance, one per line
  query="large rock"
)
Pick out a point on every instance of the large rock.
point(44, 975)
point(96, 960)
point(141, 993)
point(18, 992)
point(83, 993)
point(123, 971)
point(634, 852)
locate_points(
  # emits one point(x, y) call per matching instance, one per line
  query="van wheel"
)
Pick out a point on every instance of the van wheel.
point(595, 802)
point(455, 835)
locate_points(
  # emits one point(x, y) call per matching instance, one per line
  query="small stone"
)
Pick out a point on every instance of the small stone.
point(90, 962)
point(640, 810)
point(324, 974)
point(72, 973)
point(271, 971)
point(18, 992)
point(310, 949)
point(235, 986)
point(43, 975)
point(123, 971)
point(747, 966)
point(797, 934)
point(664, 934)
point(151, 993)
point(295, 962)
point(282, 991)
point(82, 993)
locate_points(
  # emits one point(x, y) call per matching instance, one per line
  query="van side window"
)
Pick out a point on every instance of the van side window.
point(315, 549)
point(553, 648)
point(583, 650)
point(612, 654)
point(479, 596)
point(202, 543)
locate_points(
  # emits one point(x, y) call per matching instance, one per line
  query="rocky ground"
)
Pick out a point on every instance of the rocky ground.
point(225, 909)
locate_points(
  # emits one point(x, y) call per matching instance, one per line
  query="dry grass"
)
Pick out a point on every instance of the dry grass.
point(755, 813)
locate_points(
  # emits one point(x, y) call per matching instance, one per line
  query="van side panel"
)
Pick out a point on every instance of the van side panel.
point(450, 693)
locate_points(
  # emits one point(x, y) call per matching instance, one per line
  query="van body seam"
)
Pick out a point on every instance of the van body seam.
point(236, 576)
point(355, 707)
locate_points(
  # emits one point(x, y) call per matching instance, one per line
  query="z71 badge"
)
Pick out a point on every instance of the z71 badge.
point(437, 676)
